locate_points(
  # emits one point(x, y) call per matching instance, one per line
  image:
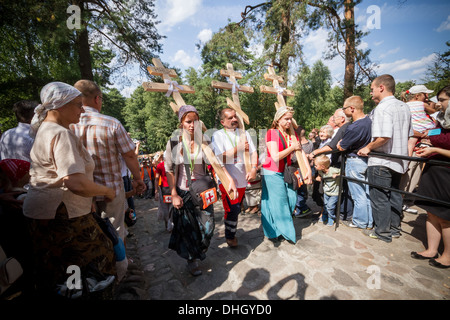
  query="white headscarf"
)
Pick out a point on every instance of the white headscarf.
point(282, 111)
point(444, 118)
point(53, 96)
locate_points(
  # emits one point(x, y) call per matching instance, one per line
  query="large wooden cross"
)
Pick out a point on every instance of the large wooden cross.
point(235, 104)
point(281, 92)
point(174, 89)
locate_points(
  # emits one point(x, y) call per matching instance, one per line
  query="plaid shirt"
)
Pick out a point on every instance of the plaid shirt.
point(105, 139)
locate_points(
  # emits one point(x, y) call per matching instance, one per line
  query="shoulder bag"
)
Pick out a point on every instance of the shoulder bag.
point(291, 172)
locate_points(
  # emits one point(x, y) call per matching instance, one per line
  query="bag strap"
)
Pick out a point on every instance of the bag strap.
point(283, 141)
point(187, 168)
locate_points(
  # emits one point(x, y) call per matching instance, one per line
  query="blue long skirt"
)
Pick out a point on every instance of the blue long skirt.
point(277, 204)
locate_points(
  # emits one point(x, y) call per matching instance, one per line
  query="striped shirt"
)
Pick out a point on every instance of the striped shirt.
point(419, 118)
point(392, 119)
point(16, 143)
point(105, 139)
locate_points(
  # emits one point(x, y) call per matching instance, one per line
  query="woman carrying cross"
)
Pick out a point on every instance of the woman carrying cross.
point(185, 164)
point(278, 201)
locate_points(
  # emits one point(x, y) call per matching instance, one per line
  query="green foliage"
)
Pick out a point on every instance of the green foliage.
point(315, 101)
point(149, 118)
point(113, 104)
point(37, 47)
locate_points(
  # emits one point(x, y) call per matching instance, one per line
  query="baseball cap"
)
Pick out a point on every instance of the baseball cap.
point(419, 89)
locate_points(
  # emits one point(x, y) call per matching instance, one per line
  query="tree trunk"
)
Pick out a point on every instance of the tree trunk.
point(350, 51)
point(285, 38)
point(82, 43)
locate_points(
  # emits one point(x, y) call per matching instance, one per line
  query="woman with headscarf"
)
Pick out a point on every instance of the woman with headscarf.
point(434, 183)
point(278, 198)
point(58, 203)
point(184, 161)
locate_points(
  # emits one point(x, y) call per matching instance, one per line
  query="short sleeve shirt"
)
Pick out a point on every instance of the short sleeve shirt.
point(162, 174)
point(392, 119)
point(330, 184)
point(420, 120)
point(56, 153)
point(224, 140)
point(357, 136)
point(269, 163)
point(106, 139)
point(16, 143)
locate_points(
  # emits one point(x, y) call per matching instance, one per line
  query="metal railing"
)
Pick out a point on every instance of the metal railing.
point(380, 154)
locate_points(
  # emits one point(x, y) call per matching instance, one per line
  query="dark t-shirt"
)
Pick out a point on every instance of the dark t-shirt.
point(357, 136)
point(336, 157)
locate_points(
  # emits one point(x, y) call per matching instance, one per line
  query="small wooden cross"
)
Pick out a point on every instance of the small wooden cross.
point(175, 89)
point(281, 92)
point(235, 103)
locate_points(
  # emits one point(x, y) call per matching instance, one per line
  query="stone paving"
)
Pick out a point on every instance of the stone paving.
point(324, 263)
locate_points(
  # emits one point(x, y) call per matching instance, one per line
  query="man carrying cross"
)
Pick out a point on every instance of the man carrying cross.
point(228, 145)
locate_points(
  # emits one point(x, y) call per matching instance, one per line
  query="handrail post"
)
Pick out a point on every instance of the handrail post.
point(341, 184)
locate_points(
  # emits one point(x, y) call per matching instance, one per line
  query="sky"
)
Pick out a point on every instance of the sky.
point(404, 35)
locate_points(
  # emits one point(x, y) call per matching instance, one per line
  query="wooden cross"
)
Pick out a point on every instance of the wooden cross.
point(281, 92)
point(235, 104)
point(175, 89)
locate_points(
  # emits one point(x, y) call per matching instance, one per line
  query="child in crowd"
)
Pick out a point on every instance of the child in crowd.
point(330, 178)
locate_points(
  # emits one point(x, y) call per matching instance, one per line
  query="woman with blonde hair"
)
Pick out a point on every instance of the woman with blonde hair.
point(278, 198)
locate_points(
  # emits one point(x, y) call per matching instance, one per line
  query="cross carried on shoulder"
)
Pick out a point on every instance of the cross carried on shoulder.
point(174, 89)
point(281, 92)
point(169, 86)
point(235, 103)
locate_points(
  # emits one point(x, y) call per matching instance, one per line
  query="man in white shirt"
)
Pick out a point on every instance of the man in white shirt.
point(228, 145)
point(391, 129)
point(16, 143)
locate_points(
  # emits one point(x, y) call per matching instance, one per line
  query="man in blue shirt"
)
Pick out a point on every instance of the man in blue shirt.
point(357, 136)
point(16, 143)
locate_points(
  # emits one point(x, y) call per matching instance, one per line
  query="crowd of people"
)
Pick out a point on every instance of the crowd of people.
point(69, 170)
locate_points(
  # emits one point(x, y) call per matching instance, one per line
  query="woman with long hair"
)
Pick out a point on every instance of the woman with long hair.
point(278, 198)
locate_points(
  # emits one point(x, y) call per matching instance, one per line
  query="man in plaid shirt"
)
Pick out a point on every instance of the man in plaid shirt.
point(106, 141)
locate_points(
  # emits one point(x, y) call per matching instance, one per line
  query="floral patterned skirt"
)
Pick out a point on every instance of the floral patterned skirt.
point(61, 242)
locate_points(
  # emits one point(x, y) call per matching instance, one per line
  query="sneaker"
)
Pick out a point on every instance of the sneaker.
point(303, 214)
point(349, 224)
point(330, 223)
point(409, 210)
point(373, 235)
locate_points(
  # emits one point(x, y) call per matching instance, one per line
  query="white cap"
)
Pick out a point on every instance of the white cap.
point(419, 89)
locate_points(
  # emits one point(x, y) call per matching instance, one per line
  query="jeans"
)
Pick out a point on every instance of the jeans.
point(302, 196)
point(386, 205)
point(362, 210)
point(330, 204)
